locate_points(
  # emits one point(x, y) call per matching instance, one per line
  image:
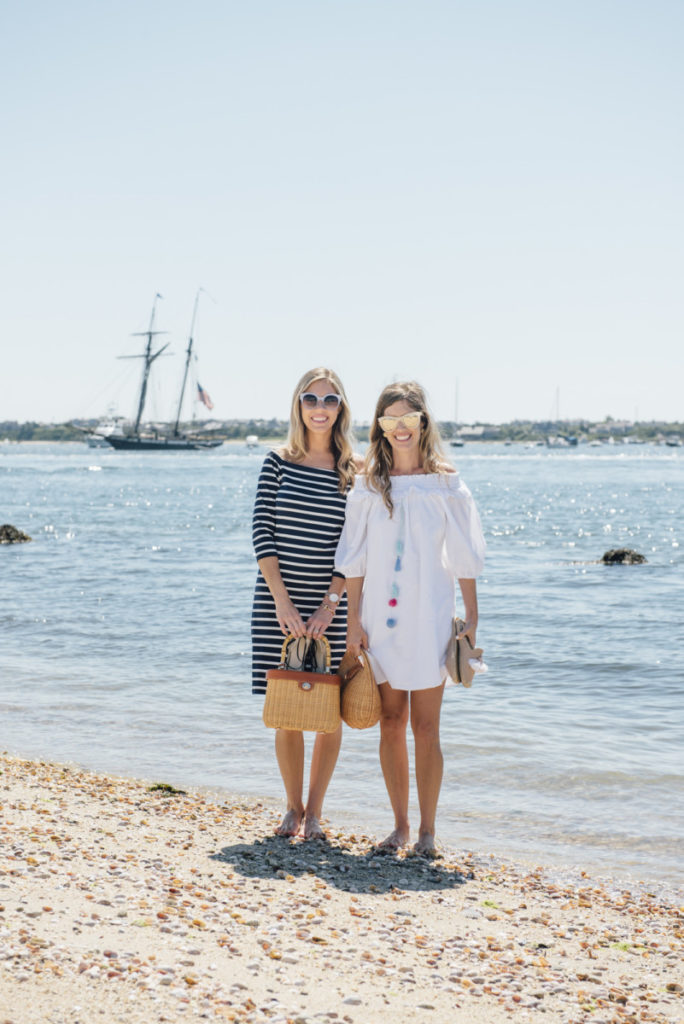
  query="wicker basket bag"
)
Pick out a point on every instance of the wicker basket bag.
point(361, 704)
point(302, 694)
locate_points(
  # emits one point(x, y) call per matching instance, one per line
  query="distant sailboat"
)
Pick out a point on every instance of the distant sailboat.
point(456, 441)
point(176, 441)
point(559, 440)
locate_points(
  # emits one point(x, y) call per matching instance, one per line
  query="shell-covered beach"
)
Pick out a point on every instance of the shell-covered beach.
point(122, 902)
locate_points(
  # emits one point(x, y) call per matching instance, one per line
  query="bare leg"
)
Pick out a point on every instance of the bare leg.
point(289, 747)
point(323, 761)
point(425, 711)
point(394, 761)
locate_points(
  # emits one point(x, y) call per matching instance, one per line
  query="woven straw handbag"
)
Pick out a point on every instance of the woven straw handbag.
point(460, 654)
point(361, 704)
point(302, 694)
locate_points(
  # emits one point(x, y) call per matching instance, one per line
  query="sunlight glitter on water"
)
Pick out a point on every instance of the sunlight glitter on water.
point(126, 644)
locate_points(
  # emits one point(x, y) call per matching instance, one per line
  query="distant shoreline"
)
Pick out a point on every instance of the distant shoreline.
point(556, 433)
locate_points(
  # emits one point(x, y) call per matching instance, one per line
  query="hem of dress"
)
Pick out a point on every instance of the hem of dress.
point(414, 689)
point(379, 672)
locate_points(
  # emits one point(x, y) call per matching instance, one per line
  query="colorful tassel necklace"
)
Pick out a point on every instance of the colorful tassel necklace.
point(399, 553)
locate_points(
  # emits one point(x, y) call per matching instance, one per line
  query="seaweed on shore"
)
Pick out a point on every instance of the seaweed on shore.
point(166, 790)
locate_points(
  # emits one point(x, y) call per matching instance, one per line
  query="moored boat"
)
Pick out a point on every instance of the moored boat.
point(176, 441)
point(110, 427)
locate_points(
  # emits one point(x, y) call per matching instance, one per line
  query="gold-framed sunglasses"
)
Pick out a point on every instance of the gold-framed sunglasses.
point(389, 424)
point(311, 401)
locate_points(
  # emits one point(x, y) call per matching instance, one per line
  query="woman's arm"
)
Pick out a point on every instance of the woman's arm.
point(469, 595)
point(325, 613)
point(350, 561)
point(263, 538)
point(357, 639)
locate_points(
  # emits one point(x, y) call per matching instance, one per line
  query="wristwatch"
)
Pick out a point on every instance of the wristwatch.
point(333, 599)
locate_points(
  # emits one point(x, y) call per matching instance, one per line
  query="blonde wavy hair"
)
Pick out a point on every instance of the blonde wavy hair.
point(379, 459)
point(341, 442)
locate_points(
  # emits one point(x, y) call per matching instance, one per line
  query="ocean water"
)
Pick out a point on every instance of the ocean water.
point(124, 644)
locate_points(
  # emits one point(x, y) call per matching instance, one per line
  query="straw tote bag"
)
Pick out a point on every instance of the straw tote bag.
point(361, 704)
point(461, 655)
point(302, 694)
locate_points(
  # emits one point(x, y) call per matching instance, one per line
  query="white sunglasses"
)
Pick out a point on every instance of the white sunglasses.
point(311, 401)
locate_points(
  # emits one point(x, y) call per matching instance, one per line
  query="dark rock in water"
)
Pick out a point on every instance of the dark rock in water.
point(623, 556)
point(10, 535)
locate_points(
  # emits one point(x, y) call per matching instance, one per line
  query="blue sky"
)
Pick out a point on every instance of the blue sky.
point(485, 197)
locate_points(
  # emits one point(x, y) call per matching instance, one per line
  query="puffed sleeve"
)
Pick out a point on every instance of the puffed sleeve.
point(465, 543)
point(264, 518)
point(350, 560)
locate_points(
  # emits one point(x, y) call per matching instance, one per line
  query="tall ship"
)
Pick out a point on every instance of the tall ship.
point(136, 440)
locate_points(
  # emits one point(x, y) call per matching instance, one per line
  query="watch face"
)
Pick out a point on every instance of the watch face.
point(334, 598)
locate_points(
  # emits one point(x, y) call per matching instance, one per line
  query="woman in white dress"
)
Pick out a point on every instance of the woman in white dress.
point(411, 530)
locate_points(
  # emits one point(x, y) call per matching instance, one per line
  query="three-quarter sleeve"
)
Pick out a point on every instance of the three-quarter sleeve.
point(465, 543)
point(350, 559)
point(264, 518)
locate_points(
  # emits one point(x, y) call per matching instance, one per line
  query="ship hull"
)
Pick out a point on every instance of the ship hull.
point(162, 444)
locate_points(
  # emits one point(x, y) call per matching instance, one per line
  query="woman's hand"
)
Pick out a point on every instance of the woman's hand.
point(357, 640)
point(319, 621)
point(470, 627)
point(289, 619)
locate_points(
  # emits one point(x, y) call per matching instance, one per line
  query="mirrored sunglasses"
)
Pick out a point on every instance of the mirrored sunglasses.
point(311, 401)
point(390, 423)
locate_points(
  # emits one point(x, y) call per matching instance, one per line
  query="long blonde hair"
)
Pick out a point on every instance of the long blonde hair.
point(379, 459)
point(341, 441)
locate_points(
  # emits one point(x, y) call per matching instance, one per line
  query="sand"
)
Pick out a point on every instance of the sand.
point(118, 903)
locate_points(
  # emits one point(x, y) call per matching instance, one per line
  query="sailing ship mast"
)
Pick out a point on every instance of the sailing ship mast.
point(188, 357)
point(149, 356)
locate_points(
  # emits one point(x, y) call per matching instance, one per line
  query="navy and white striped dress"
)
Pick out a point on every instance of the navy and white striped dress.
point(298, 517)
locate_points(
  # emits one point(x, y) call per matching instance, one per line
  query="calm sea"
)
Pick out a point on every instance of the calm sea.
point(124, 644)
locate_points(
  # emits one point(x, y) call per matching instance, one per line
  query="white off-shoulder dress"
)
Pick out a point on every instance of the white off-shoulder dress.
point(410, 563)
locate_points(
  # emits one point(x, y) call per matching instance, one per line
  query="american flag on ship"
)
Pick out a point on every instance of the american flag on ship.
point(204, 397)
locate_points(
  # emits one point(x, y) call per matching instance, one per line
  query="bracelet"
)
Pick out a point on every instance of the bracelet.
point(328, 607)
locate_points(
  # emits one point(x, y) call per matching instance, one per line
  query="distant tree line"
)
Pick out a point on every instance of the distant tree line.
point(273, 429)
point(39, 432)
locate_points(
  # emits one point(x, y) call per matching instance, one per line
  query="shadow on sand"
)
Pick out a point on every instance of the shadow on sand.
point(344, 867)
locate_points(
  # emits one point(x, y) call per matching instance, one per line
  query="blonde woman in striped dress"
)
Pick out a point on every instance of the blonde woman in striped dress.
point(298, 518)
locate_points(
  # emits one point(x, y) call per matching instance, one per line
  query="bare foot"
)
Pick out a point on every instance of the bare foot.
point(425, 847)
point(289, 826)
point(395, 840)
point(312, 828)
